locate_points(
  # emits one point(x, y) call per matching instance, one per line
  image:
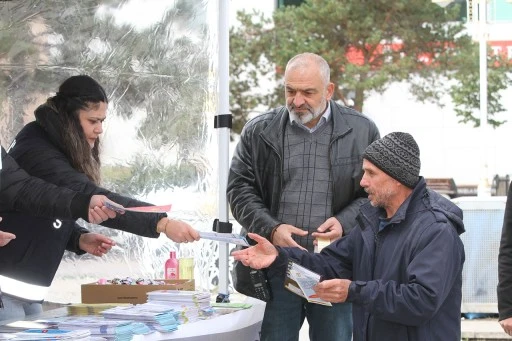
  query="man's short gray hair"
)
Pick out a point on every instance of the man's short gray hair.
point(304, 59)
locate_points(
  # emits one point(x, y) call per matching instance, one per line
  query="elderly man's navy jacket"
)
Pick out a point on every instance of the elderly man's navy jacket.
point(406, 278)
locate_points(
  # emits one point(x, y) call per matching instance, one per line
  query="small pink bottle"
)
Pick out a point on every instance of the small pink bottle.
point(172, 267)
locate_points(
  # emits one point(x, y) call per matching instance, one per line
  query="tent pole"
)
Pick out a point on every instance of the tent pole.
point(223, 152)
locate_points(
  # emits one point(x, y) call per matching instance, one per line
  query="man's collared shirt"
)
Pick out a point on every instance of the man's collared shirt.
point(294, 120)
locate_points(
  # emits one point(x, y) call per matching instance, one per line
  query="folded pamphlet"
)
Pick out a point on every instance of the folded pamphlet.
point(142, 209)
point(224, 237)
point(301, 281)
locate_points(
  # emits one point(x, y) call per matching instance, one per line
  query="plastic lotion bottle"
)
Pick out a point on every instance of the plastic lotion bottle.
point(172, 267)
point(186, 262)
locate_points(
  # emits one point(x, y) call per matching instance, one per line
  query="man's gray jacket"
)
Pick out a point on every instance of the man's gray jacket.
point(256, 173)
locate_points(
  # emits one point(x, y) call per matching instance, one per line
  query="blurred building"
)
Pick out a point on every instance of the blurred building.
point(499, 24)
point(499, 18)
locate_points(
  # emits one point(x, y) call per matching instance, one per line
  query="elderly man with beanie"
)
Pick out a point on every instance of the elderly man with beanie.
point(401, 267)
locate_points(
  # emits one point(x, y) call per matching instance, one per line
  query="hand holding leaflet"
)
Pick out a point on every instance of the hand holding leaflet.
point(143, 209)
point(301, 281)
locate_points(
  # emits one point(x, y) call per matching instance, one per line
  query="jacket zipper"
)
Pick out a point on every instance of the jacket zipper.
point(376, 238)
point(376, 251)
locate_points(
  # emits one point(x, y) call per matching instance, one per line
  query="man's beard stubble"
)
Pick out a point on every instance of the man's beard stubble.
point(311, 114)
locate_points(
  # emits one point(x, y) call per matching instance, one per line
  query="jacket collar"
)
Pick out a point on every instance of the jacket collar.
point(421, 198)
point(273, 133)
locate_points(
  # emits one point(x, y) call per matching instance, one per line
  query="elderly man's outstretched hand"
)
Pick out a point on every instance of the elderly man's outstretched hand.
point(259, 256)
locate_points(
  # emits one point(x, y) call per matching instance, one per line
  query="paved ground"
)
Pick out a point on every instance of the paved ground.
point(483, 329)
point(304, 332)
point(477, 329)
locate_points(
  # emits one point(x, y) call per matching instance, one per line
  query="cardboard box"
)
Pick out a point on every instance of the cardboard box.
point(119, 293)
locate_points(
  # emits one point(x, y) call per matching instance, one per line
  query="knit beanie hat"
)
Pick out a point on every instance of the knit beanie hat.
point(397, 155)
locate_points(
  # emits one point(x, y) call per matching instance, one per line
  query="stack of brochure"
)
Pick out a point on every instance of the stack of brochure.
point(99, 327)
point(156, 317)
point(90, 308)
point(228, 308)
point(48, 334)
point(191, 306)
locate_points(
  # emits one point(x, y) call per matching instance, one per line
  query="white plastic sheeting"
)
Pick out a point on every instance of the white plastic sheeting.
point(158, 63)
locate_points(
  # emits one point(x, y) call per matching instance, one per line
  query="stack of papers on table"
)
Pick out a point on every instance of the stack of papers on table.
point(156, 317)
point(196, 298)
point(191, 306)
point(91, 308)
point(19, 326)
point(228, 308)
point(50, 334)
point(119, 330)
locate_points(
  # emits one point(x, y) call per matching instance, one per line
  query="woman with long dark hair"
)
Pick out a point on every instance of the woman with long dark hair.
point(62, 147)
